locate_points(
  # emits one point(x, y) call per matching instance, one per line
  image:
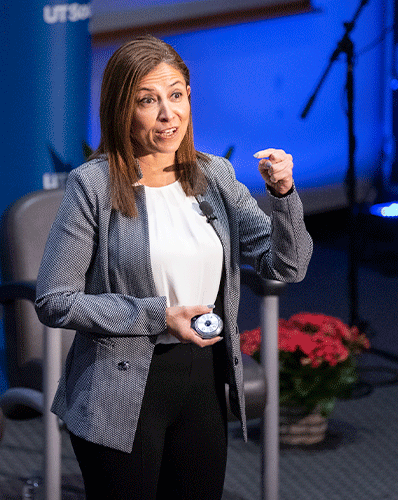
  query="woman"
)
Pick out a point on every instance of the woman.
point(132, 257)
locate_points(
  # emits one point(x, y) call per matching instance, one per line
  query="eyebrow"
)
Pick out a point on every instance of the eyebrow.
point(147, 89)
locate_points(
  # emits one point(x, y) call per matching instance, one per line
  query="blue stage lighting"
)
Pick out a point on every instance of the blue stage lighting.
point(394, 84)
point(385, 209)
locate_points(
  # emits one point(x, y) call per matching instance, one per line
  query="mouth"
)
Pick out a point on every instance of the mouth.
point(167, 133)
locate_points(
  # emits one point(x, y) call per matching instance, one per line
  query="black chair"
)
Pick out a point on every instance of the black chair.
point(24, 229)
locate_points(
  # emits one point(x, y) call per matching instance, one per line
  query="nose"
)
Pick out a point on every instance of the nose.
point(166, 112)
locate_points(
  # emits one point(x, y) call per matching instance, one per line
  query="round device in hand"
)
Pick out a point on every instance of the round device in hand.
point(207, 325)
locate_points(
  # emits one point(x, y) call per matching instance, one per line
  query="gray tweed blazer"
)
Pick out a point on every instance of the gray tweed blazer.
point(96, 278)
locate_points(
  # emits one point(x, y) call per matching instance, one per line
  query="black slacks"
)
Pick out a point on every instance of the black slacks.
point(180, 446)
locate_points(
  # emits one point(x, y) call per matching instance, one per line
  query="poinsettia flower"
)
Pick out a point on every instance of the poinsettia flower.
point(307, 344)
point(308, 321)
point(250, 341)
point(316, 355)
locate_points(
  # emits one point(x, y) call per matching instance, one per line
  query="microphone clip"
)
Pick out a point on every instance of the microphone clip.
point(207, 211)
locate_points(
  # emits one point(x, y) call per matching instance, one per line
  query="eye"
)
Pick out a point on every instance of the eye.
point(146, 101)
point(177, 95)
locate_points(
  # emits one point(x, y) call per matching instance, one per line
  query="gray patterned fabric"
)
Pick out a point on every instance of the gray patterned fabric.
point(96, 278)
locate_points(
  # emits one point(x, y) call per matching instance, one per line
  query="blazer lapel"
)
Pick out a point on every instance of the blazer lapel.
point(219, 224)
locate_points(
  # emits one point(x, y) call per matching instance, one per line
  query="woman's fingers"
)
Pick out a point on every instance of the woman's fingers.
point(277, 171)
point(265, 153)
point(276, 168)
point(178, 320)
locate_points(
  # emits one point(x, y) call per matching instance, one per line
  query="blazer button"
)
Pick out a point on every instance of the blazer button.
point(236, 361)
point(123, 365)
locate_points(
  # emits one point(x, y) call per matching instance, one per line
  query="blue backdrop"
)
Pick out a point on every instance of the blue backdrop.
point(251, 81)
point(44, 95)
point(44, 89)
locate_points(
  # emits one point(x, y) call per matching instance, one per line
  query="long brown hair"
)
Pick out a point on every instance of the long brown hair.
point(125, 69)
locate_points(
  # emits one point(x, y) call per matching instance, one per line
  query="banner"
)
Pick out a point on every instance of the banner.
point(44, 95)
point(44, 81)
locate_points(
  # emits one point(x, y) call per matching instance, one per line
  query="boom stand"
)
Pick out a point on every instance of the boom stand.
point(345, 45)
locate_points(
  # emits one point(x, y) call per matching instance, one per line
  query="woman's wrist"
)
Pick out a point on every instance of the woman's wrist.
point(276, 194)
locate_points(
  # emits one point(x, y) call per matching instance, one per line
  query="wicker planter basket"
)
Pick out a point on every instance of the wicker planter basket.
point(297, 427)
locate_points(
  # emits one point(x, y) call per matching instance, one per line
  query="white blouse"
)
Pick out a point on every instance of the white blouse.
point(186, 253)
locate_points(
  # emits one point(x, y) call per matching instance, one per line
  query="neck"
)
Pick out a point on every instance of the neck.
point(158, 171)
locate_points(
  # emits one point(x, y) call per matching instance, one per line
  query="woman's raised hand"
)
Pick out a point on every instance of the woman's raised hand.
point(178, 320)
point(276, 167)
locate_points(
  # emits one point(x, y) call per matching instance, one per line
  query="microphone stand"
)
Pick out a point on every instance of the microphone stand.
point(346, 46)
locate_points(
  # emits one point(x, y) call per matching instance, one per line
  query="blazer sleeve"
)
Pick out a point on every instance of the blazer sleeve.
point(61, 298)
point(278, 246)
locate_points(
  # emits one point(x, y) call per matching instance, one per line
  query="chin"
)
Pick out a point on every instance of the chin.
point(171, 149)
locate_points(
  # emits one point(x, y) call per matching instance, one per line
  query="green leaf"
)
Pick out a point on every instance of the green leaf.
point(326, 406)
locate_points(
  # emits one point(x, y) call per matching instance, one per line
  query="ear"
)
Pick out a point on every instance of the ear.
point(188, 90)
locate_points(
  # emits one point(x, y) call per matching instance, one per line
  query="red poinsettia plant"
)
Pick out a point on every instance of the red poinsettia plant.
point(317, 359)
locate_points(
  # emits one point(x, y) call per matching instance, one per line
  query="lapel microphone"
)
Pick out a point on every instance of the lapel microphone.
point(207, 211)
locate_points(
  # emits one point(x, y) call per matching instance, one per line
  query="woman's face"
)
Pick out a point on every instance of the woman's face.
point(161, 113)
